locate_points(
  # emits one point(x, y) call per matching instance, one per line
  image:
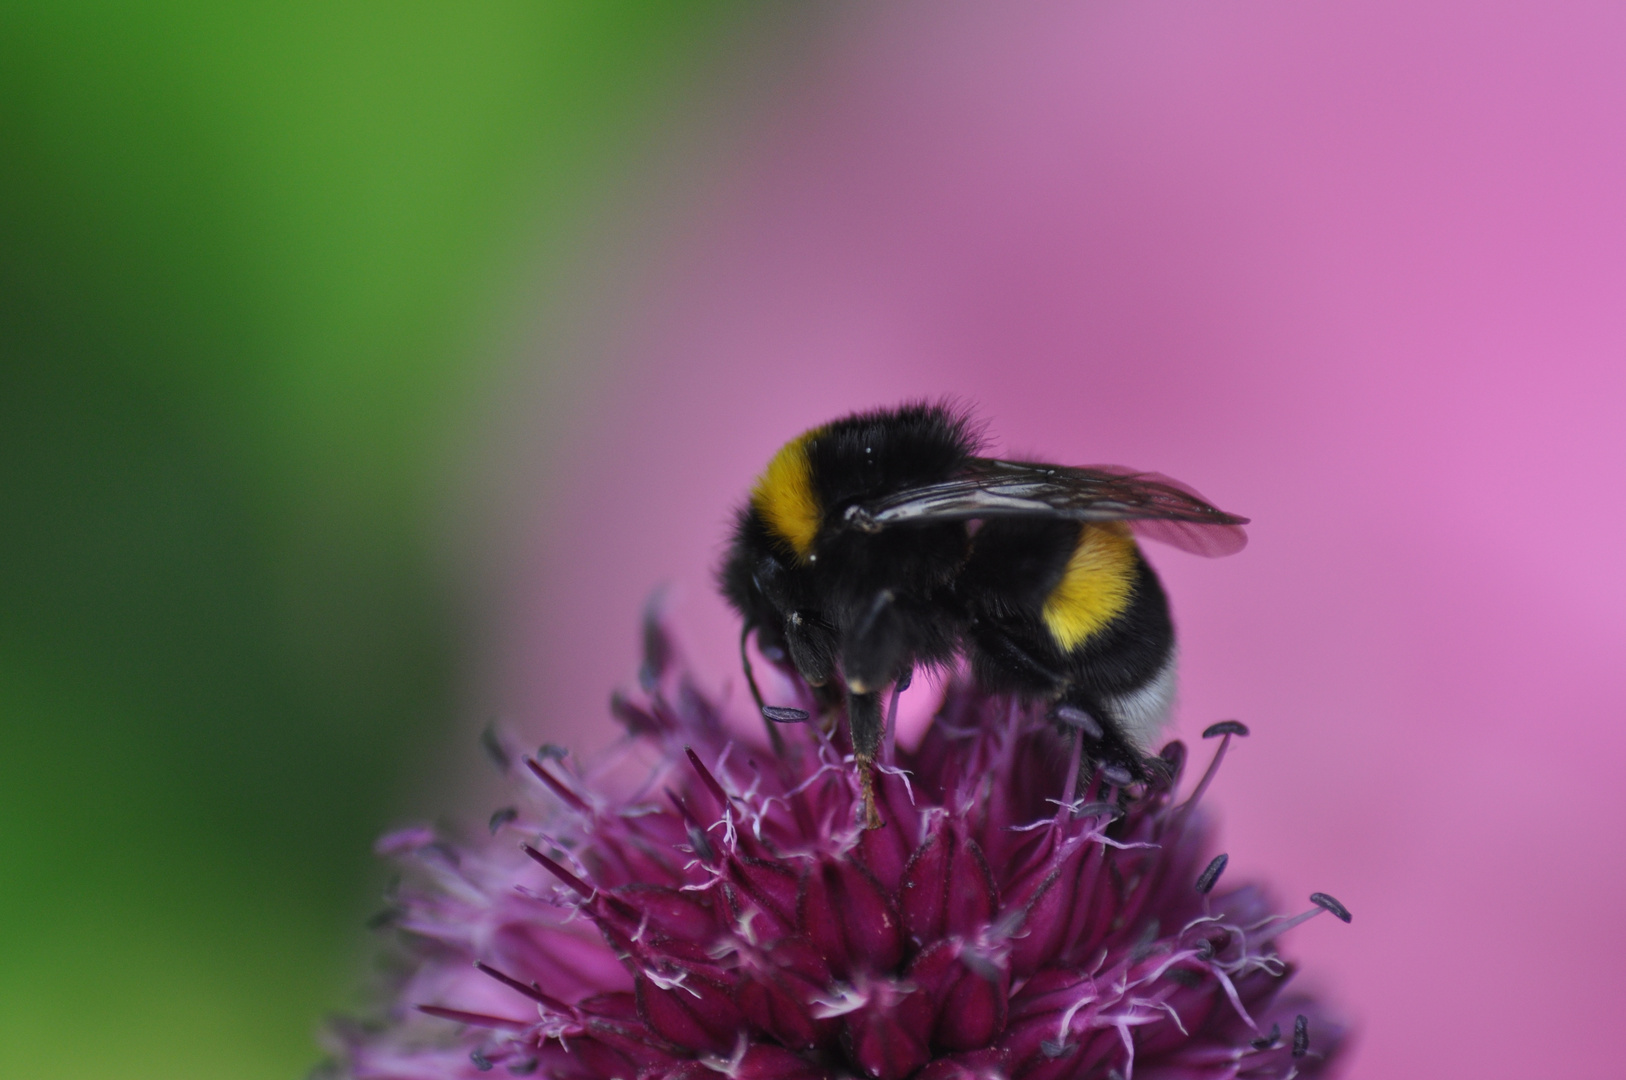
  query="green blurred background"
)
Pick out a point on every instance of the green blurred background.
point(255, 262)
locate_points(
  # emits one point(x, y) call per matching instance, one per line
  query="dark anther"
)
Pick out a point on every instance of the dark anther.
point(1078, 718)
point(636, 720)
point(481, 1062)
point(1146, 944)
point(1214, 944)
point(1184, 977)
point(1225, 727)
point(701, 843)
point(492, 744)
point(552, 750)
point(1055, 1048)
point(905, 680)
point(1097, 809)
point(1267, 1041)
point(1339, 911)
point(784, 714)
point(1116, 774)
point(380, 919)
point(1301, 1035)
point(501, 818)
point(522, 1067)
point(1211, 873)
point(658, 649)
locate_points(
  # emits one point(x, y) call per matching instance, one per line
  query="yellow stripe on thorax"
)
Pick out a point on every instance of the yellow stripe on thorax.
point(784, 496)
point(1096, 587)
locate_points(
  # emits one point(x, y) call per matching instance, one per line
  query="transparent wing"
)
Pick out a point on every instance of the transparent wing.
point(1155, 506)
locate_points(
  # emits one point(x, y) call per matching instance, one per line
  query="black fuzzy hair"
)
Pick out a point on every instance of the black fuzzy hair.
point(882, 450)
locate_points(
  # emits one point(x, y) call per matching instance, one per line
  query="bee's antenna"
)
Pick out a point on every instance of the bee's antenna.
point(756, 691)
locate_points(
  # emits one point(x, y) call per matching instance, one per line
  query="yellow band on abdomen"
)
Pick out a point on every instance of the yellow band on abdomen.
point(1096, 587)
point(784, 496)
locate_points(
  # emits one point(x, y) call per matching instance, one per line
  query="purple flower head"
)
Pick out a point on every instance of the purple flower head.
point(704, 908)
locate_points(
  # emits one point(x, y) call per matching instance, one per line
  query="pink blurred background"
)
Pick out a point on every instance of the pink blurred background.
point(1357, 271)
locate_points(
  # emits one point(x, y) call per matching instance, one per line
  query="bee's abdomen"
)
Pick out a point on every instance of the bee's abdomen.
point(1130, 650)
point(1096, 588)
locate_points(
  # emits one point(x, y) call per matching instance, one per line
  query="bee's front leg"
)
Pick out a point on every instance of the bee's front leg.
point(865, 723)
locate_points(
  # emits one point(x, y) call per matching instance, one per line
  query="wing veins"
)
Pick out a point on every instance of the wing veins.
point(993, 489)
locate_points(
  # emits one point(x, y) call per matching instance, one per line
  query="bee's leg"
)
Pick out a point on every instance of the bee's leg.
point(1012, 665)
point(812, 647)
point(864, 721)
point(873, 648)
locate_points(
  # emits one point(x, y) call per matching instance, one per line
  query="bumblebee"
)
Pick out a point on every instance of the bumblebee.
point(882, 541)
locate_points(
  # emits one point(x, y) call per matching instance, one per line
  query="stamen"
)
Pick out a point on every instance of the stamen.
point(1073, 761)
point(1301, 1035)
point(1226, 728)
point(471, 1018)
point(709, 780)
point(889, 733)
point(1266, 1042)
point(1322, 902)
point(697, 836)
point(1211, 873)
point(530, 990)
point(577, 884)
point(756, 692)
point(481, 1062)
point(1339, 911)
point(784, 714)
point(557, 786)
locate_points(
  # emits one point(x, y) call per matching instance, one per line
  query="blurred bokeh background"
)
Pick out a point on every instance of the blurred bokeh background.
point(257, 266)
point(363, 366)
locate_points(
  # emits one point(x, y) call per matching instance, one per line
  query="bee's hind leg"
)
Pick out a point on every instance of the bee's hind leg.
point(866, 725)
